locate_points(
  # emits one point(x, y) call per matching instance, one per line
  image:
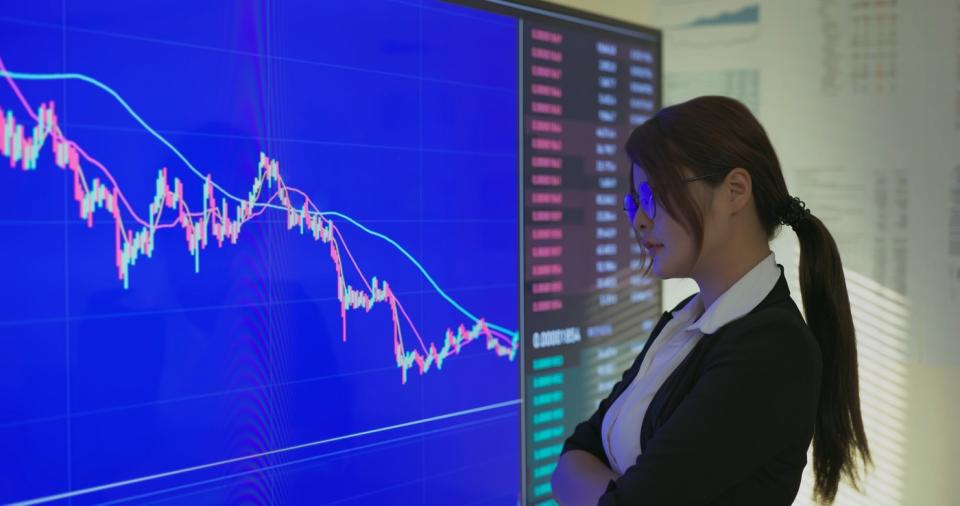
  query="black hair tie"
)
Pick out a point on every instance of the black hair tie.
point(795, 213)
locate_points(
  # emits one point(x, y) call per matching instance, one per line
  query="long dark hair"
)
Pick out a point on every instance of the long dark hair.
point(715, 134)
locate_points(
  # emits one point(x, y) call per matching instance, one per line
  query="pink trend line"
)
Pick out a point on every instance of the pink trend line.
point(91, 195)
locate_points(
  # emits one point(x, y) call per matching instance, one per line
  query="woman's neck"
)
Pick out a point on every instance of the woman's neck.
point(718, 278)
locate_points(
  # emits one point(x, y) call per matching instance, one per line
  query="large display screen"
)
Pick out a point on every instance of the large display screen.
point(309, 252)
point(587, 309)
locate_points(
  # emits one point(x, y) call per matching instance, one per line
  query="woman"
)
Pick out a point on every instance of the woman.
point(722, 403)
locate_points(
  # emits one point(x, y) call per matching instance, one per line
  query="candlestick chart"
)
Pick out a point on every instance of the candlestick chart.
point(271, 256)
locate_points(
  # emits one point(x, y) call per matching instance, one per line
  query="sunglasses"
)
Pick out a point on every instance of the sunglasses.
point(642, 197)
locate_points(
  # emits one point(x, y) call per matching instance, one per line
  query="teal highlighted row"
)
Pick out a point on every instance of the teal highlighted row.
point(548, 502)
point(548, 416)
point(548, 398)
point(547, 452)
point(548, 362)
point(548, 433)
point(548, 380)
point(544, 470)
point(542, 489)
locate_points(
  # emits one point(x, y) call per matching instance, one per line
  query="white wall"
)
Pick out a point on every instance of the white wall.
point(862, 101)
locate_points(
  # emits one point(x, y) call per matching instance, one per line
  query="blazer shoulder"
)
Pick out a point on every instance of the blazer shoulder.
point(778, 331)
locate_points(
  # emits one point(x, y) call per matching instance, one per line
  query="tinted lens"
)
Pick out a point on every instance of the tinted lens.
point(630, 205)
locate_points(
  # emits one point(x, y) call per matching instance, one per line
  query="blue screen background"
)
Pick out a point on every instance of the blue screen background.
point(232, 384)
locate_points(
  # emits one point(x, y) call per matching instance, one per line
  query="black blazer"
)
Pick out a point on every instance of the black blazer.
point(732, 423)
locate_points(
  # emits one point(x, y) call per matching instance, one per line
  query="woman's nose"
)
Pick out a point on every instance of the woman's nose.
point(640, 220)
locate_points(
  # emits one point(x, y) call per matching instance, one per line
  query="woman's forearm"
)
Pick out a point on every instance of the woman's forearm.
point(580, 479)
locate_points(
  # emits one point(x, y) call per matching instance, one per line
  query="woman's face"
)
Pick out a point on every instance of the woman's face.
point(674, 259)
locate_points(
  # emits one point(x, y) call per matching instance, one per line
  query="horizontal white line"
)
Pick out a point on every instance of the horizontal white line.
point(108, 486)
point(196, 484)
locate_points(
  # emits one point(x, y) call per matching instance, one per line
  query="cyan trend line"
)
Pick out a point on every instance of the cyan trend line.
point(31, 76)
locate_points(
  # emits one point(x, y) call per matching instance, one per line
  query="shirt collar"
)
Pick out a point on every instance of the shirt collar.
point(737, 301)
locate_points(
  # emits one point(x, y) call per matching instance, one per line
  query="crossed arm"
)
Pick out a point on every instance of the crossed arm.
point(580, 478)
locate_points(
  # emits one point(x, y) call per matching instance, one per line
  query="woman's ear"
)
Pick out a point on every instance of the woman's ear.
point(737, 189)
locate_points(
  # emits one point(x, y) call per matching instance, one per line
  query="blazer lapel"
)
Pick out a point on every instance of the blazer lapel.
point(682, 379)
point(635, 367)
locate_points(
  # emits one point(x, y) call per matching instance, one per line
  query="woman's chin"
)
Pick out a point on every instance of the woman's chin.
point(658, 268)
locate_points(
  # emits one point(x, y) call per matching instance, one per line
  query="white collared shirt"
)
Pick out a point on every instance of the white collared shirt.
point(622, 422)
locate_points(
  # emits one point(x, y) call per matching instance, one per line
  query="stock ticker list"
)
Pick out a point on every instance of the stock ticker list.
point(587, 309)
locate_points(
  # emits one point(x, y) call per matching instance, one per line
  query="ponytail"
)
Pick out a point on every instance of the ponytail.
point(838, 439)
